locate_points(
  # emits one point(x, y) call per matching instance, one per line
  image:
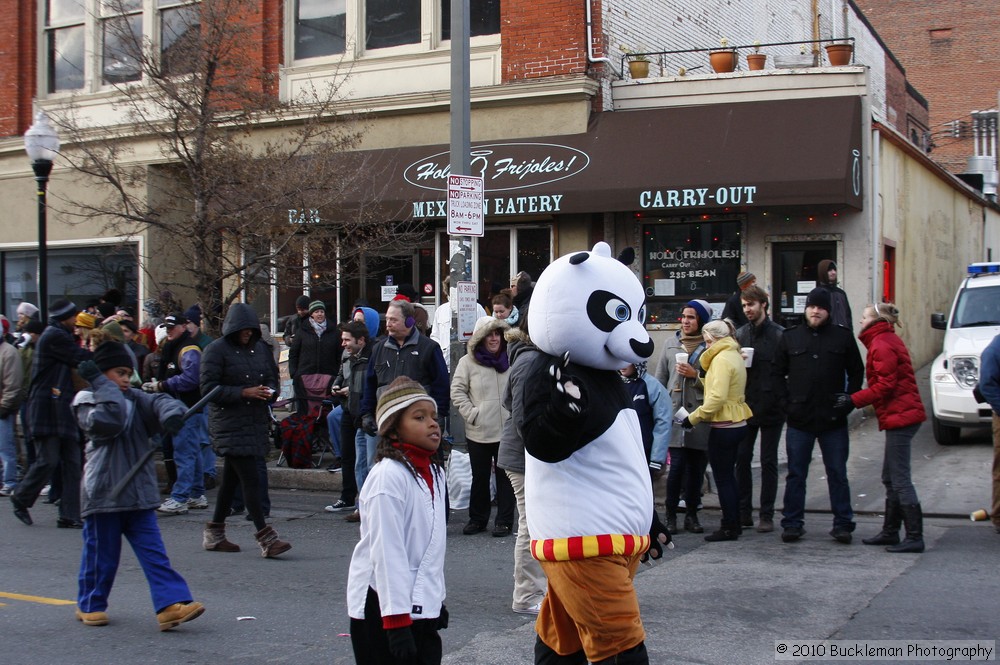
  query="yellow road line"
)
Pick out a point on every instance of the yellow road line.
point(36, 599)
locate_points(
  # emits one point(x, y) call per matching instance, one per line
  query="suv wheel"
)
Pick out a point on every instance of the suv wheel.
point(946, 435)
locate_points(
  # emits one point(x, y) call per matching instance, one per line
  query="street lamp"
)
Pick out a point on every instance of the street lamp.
point(42, 144)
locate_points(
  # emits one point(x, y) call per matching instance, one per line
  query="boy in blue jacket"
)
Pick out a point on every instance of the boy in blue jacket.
point(118, 421)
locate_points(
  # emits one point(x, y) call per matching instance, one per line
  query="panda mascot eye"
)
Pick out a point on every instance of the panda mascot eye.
point(642, 315)
point(606, 310)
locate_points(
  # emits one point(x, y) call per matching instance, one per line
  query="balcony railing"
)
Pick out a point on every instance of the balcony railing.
point(680, 62)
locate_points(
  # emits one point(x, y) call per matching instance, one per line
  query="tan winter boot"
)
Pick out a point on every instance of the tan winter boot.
point(215, 538)
point(178, 613)
point(270, 546)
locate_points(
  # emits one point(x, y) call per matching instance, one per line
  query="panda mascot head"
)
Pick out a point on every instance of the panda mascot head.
point(590, 305)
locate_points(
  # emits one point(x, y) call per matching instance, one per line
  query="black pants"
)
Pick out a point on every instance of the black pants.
point(239, 471)
point(687, 470)
point(482, 459)
point(770, 438)
point(348, 458)
point(52, 451)
point(262, 489)
point(371, 647)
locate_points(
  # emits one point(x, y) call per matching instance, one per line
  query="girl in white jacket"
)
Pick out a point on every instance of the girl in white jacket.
point(395, 588)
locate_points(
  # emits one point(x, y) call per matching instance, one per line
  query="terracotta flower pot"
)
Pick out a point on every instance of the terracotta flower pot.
point(755, 61)
point(638, 69)
point(722, 60)
point(839, 54)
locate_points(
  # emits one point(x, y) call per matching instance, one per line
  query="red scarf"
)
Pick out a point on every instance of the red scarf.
point(421, 461)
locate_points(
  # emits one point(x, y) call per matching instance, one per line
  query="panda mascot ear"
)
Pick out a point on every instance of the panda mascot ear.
point(627, 256)
point(591, 305)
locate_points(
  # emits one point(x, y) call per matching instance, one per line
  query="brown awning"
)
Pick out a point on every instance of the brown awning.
point(756, 154)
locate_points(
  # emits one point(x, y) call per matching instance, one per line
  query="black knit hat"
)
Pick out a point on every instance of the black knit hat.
point(819, 298)
point(110, 355)
point(63, 309)
point(302, 302)
point(34, 326)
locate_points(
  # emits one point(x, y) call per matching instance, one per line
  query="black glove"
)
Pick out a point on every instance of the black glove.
point(368, 425)
point(978, 395)
point(173, 424)
point(88, 370)
point(842, 404)
point(402, 646)
point(686, 424)
point(658, 538)
point(442, 621)
point(4, 412)
point(568, 396)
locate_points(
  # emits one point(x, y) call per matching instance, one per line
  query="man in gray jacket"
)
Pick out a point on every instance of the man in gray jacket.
point(11, 378)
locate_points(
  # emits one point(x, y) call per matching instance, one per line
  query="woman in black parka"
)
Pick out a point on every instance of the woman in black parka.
point(238, 422)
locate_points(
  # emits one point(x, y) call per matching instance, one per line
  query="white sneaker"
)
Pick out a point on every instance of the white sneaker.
point(197, 502)
point(6, 490)
point(534, 609)
point(171, 507)
point(45, 490)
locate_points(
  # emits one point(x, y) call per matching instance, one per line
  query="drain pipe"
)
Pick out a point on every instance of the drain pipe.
point(590, 41)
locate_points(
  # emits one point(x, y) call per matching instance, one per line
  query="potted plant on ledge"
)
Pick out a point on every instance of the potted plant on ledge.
point(839, 53)
point(638, 63)
point(756, 60)
point(723, 60)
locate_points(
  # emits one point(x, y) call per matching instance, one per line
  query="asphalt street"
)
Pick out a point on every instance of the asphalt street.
point(705, 603)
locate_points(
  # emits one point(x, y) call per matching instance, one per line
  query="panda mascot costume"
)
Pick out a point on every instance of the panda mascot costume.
point(587, 488)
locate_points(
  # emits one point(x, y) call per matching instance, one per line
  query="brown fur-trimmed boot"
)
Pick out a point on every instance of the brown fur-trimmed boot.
point(270, 545)
point(215, 538)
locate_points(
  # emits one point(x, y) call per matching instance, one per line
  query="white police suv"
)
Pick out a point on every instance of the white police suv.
point(974, 321)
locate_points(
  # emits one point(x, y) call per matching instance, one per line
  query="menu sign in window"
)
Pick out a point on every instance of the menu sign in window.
point(687, 260)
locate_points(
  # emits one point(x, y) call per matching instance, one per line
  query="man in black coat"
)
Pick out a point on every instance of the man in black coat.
point(815, 358)
point(762, 395)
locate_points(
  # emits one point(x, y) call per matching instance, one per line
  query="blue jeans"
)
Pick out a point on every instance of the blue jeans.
point(896, 465)
point(187, 457)
point(365, 446)
point(333, 426)
point(835, 446)
point(208, 459)
point(8, 450)
point(723, 447)
point(102, 548)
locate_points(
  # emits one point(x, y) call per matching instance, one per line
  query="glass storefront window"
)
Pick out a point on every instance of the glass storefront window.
point(689, 258)
point(80, 274)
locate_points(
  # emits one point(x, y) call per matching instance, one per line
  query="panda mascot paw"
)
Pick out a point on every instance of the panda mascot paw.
point(568, 394)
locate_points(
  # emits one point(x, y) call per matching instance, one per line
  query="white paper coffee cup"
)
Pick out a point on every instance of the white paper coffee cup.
point(680, 358)
point(680, 414)
point(747, 352)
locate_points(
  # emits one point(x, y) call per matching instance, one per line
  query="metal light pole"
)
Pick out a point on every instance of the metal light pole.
point(42, 145)
point(459, 247)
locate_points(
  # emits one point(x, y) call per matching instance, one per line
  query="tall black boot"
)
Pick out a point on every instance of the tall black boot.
point(691, 522)
point(889, 535)
point(913, 519)
point(671, 522)
point(635, 656)
point(544, 655)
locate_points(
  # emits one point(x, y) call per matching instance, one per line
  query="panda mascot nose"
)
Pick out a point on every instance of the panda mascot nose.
point(630, 342)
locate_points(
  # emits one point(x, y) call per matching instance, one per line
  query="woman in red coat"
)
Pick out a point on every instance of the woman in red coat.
point(892, 390)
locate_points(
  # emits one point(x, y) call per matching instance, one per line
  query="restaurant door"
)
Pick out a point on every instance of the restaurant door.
point(794, 265)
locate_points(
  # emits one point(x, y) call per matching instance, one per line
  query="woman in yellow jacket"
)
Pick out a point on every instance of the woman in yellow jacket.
point(726, 411)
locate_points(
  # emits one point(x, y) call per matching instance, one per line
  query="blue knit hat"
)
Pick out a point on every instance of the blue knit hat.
point(702, 309)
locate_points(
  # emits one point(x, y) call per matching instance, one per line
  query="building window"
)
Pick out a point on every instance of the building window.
point(115, 33)
point(64, 44)
point(320, 28)
point(391, 23)
point(484, 18)
point(688, 258)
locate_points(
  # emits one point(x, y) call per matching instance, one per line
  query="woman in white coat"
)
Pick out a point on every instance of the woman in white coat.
point(476, 389)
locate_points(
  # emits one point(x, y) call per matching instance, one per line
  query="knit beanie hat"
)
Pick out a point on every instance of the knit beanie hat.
point(302, 302)
point(110, 355)
point(27, 309)
point(400, 394)
point(745, 279)
point(819, 298)
point(193, 314)
point(316, 304)
point(34, 326)
point(84, 320)
point(63, 309)
point(114, 330)
point(106, 309)
point(702, 309)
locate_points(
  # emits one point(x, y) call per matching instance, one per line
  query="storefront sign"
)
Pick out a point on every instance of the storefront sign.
point(503, 166)
point(698, 197)
point(516, 205)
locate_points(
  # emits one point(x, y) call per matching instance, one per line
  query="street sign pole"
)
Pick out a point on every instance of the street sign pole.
point(459, 246)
